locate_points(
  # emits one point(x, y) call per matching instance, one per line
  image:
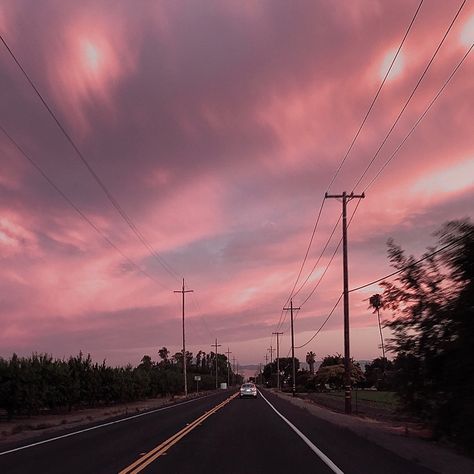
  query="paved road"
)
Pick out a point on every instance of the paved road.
point(216, 434)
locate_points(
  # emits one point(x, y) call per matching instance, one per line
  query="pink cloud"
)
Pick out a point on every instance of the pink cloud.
point(218, 130)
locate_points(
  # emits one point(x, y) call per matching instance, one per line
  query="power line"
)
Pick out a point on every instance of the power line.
point(91, 170)
point(322, 325)
point(401, 144)
point(377, 94)
point(425, 257)
point(410, 96)
point(76, 208)
point(280, 322)
point(422, 116)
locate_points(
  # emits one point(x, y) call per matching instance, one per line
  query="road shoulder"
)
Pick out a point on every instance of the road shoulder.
point(425, 453)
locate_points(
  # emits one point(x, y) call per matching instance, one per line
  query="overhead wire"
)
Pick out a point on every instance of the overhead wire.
point(76, 208)
point(378, 174)
point(430, 62)
point(280, 322)
point(90, 169)
point(323, 324)
point(405, 138)
point(413, 264)
point(403, 109)
point(385, 277)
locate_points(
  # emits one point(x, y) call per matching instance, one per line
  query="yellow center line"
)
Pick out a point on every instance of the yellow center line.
point(159, 450)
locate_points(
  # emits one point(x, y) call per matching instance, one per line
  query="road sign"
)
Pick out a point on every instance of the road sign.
point(197, 378)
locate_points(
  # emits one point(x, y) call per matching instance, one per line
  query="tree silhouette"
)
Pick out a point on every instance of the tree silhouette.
point(376, 302)
point(310, 360)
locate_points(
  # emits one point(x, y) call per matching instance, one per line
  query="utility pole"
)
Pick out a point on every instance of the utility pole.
point(291, 308)
point(347, 357)
point(278, 358)
point(216, 346)
point(266, 359)
point(183, 291)
point(228, 367)
point(233, 370)
point(271, 350)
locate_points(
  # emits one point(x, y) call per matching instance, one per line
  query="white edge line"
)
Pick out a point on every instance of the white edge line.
point(315, 449)
point(49, 440)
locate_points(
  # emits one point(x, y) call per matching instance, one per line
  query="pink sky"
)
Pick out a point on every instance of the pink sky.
point(218, 126)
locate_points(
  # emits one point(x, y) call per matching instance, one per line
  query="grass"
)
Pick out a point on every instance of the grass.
point(386, 398)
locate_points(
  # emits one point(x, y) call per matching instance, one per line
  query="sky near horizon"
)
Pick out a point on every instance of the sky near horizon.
point(217, 126)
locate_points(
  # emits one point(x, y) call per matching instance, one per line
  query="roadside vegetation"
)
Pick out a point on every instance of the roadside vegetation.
point(430, 376)
point(40, 383)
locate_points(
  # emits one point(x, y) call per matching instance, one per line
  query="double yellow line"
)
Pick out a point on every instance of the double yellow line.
point(155, 453)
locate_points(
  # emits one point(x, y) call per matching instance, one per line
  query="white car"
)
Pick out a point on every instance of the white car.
point(248, 390)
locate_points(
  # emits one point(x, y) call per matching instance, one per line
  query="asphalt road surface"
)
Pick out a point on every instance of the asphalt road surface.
point(219, 433)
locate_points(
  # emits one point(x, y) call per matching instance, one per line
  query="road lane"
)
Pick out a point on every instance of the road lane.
point(247, 437)
point(239, 436)
point(161, 450)
point(352, 453)
point(110, 448)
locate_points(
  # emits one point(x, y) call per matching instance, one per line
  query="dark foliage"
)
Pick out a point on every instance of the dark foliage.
point(29, 385)
point(433, 326)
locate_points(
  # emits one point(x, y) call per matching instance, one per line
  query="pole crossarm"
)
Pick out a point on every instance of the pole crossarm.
point(183, 291)
point(344, 195)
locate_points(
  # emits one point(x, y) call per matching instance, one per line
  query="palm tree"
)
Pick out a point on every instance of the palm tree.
point(375, 302)
point(311, 359)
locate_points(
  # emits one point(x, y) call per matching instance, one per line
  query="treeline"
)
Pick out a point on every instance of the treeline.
point(30, 385)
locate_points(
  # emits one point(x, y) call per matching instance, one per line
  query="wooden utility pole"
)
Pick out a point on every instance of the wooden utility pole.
point(291, 308)
point(228, 367)
point(233, 370)
point(278, 358)
point(216, 346)
point(271, 350)
point(347, 357)
point(183, 291)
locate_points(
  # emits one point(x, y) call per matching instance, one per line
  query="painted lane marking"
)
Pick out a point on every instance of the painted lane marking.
point(162, 448)
point(314, 448)
point(49, 440)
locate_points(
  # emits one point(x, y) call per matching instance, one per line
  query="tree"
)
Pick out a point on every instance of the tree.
point(378, 373)
point(433, 328)
point(331, 372)
point(311, 360)
point(375, 302)
point(164, 355)
point(146, 363)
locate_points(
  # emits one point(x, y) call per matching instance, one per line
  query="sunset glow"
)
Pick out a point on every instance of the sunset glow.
point(92, 56)
point(216, 129)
